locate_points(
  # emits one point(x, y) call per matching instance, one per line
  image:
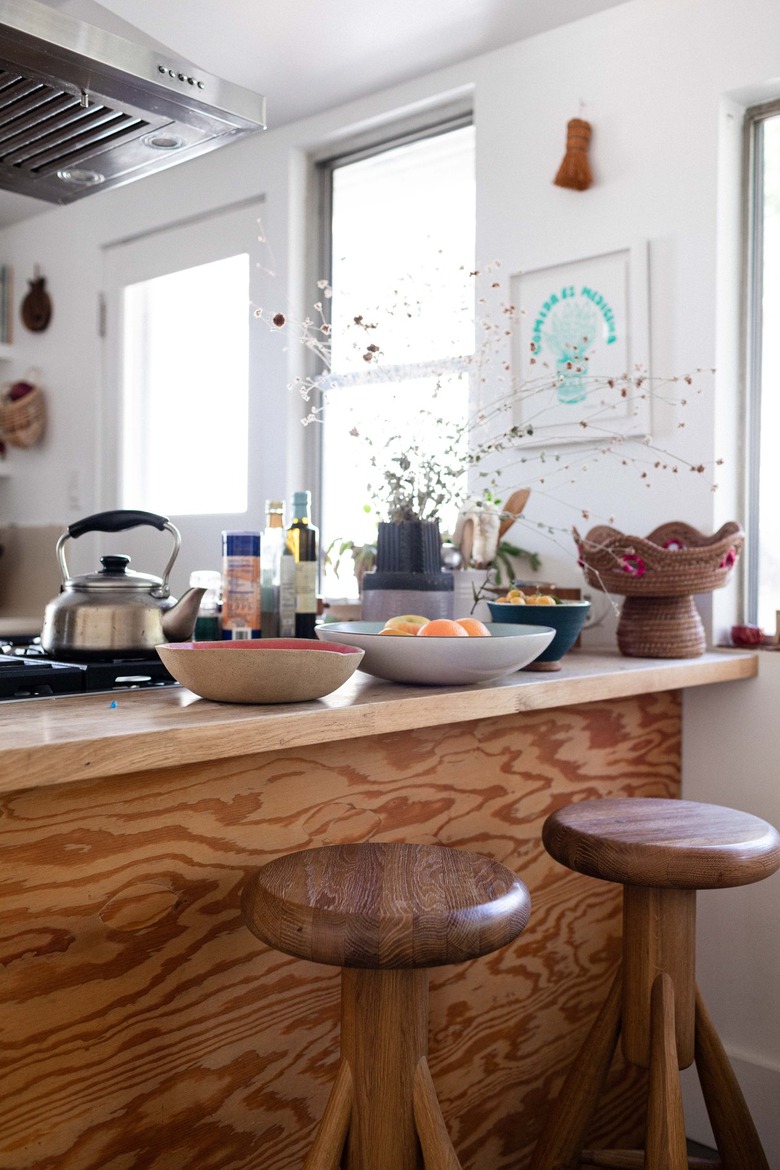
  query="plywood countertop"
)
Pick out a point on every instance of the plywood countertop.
point(46, 742)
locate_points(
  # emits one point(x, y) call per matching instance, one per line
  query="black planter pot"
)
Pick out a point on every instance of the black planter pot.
point(408, 577)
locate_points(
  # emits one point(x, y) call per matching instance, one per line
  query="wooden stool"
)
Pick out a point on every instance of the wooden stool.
point(384, 913)
point(662, 852)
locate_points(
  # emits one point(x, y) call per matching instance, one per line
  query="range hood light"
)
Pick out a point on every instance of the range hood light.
point(80, 178)
point(160, 141)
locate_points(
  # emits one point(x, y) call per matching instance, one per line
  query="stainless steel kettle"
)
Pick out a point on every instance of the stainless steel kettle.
point(116, 612)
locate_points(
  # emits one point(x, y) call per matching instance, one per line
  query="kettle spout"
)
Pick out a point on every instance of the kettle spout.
point(178, 621)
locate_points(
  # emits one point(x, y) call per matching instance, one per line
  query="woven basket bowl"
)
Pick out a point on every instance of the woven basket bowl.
point(658, 575)
point(674, 560)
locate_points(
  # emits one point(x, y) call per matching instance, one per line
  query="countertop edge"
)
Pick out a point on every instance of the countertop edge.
point(47, 743)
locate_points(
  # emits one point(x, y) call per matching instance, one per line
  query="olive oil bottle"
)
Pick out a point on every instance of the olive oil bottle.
point(303, 543)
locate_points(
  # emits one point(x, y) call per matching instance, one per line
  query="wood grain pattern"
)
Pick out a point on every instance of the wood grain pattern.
point(142, 1027)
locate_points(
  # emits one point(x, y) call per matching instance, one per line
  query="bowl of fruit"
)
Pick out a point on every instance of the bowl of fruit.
point(440, 651)
point(517, 607)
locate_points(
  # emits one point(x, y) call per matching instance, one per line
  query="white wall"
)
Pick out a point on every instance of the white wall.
point(739, 929)
point(663, 83)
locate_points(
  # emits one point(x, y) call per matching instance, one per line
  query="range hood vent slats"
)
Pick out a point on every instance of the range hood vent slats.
point(74, 142)
point(55, 112)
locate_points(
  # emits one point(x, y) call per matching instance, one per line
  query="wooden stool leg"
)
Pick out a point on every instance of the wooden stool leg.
point(567, 1124)
point(665, 1146)
point(384, 1036)
point(328, 1146)
point(659, 934)
point(438, 1153)
point(738, 1142)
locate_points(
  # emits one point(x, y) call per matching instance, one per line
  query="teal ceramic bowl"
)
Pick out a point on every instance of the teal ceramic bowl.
point(567, 619)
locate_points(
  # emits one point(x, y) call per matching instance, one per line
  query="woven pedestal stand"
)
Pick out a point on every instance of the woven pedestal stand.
point(659, 576)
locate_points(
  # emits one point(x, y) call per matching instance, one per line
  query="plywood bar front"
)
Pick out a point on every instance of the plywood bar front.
point(144, 1027)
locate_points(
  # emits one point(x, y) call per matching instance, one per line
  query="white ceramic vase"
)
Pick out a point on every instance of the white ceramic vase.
point(465, 581)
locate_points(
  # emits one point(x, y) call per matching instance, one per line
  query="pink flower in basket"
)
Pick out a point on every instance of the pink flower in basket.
point(634, 565)
point(673, 545)
point(729, 560)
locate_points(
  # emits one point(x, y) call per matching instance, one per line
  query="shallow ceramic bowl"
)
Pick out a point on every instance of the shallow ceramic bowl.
point(440, 661)
point(567, 619)
point(267, 670)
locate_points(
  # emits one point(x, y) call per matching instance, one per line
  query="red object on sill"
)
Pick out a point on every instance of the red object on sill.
point(747, 635)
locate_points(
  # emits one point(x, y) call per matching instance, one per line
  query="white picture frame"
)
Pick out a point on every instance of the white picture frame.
point(581, 349)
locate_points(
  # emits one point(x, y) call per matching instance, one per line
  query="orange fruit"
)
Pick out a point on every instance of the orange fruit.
point(474, 627)
point(441, 628)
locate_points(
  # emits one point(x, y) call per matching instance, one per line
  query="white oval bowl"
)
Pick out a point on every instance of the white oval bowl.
point(440, 661)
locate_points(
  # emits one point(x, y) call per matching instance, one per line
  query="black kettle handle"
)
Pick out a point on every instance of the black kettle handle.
point(116, 521)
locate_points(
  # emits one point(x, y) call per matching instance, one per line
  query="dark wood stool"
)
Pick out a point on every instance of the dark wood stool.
point(384, 913)
point(662, 852)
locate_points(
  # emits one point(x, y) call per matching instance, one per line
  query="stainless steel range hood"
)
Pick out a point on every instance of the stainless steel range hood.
point(82, 109)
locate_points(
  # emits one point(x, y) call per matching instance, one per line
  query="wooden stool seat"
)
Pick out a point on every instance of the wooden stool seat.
point(382, 906)
point(661, 852)
point(673, 844)
point(384, 913)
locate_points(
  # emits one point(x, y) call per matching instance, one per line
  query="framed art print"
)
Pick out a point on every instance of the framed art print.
point(581, 348)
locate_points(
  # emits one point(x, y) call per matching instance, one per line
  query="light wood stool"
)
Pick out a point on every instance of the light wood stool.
point(662, 852)
point(384, 913)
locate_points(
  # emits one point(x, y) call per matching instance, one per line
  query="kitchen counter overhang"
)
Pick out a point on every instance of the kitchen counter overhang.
point(47, 742)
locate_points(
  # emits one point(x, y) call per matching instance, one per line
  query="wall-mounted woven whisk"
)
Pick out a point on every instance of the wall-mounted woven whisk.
point(574, 171)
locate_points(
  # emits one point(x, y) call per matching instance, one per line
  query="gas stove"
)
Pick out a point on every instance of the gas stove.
point(27, 672)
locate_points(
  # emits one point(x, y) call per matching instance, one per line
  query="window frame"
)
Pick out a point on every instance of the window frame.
point(427, 123)
point(753, 151)
point(124, 263)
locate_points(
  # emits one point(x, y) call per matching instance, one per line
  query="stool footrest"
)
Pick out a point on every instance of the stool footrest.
point(634, 1160)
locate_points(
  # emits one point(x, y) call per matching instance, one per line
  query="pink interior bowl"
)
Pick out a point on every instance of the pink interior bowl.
point(265, 670)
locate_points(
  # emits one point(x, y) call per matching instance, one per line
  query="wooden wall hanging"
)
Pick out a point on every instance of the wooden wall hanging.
point(574, 171)
point(36, 306)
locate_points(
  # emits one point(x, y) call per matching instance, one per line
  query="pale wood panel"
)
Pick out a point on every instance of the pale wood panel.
point(144, 1027)
point(44, 743)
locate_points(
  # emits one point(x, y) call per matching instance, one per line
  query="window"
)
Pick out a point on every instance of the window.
point(180, 359)
point(174, 383)
point(763, 545)
point(400, 240)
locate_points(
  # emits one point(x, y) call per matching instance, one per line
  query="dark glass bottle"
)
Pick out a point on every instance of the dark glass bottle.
point(303, 542)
